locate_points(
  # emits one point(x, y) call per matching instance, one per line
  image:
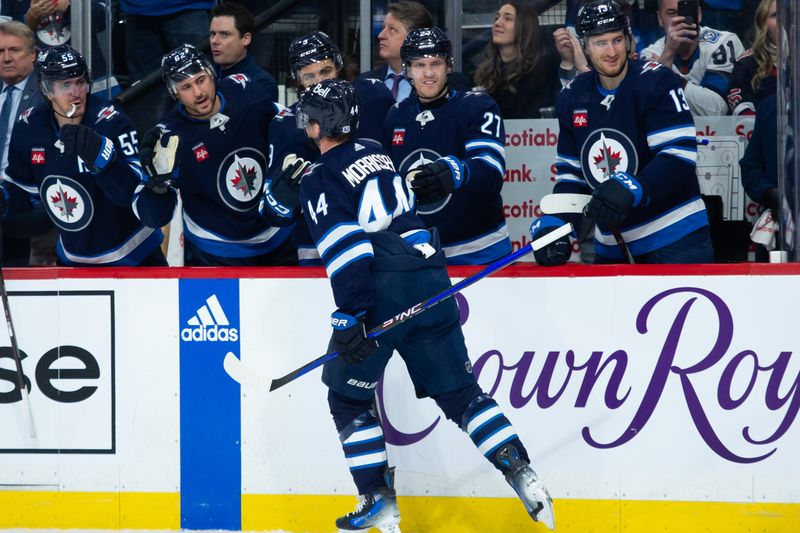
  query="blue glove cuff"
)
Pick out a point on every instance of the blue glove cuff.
point(632, 184)
point(274, 205)
point(458, 171)
point(106, 154)
point(545, 222)
point(341, 321)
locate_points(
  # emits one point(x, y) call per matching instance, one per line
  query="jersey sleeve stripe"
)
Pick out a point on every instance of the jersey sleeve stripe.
point(570, 161)
point(30, 189)
point(336, 234)
point(492, 162)
point(486, 143)
point(360, 250)
point(681, 153)
point(670, 135)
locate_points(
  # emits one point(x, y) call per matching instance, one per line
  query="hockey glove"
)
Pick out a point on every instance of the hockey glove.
point(350, 337)
point(434, 181)
point(96, 151)
point(615, 197)
point(158, 160)
point(282, 193)
point(556, 253)
point(772, 201)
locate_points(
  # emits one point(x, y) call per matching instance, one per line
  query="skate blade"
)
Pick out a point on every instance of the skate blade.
point(544, 515)
point(393, 528)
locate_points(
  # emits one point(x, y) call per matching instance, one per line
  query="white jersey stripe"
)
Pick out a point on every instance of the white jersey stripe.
point(482, 417)
point(504, 434)
point(351, 254)
point(478, 244)
point(654, 226)
point(365, 461)
point(335, 235)
point(363, 435)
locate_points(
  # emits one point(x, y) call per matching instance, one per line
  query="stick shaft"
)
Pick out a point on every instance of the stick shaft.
point(413, 311)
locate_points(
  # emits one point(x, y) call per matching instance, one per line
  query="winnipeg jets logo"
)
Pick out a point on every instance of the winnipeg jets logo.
point(25, 114)
point(606, 152)
point(54, 30)
point(607, 101)
point(411, 165)
point(241, 79)
point(218, 121)
point(68, 202)
point(425, 117)
point(240, 178)
point(105, 114)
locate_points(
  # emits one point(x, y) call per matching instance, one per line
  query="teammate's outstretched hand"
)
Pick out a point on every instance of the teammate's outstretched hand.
point(615, 197)
point(350, 337)
point(435, 180)
point(158, 159)
point(282, 192)
point(96, 151)
point(556, 253)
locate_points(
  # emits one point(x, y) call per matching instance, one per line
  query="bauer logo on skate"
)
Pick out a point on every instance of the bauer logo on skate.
point(683, 360)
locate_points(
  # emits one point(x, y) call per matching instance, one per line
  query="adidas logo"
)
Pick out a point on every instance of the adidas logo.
point(210, 323)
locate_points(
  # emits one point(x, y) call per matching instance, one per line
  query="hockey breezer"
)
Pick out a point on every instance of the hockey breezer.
point(249, 378)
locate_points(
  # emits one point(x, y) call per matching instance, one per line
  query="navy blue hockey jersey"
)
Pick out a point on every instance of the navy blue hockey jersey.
point(286, 138)
point(92, 212)
point(644, 128)
point(471, 224)
point(353, 189)
point(221, 165)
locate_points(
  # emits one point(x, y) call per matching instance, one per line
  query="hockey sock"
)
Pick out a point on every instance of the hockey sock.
point(362, 441)
point(490, 430)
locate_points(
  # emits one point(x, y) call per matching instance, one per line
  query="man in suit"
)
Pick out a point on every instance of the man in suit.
point(401, 18)
point(20, 93)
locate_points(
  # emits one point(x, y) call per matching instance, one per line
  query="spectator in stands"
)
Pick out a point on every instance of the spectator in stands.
point(230, 34)
point(50, 20)
point(401, 18)
point(760, 164)
point(20, 93)
point(755, 74)
point(573, 60)
point(155, 26)
point(517, 70)
point(702, 57)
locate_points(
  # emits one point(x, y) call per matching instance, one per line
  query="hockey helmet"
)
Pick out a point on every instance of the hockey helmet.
point(601, 16)
point(426, 42)
point(60, 63)
point(182, 63)
point(313, 48)
point(333, 104)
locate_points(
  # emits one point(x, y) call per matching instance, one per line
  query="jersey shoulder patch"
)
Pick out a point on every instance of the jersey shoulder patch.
point(239, 78)
point(710, 36)
point(106, 113)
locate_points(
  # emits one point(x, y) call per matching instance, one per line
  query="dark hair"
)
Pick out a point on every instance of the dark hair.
point(412, 14)
point(242, 18)
point(489, 73)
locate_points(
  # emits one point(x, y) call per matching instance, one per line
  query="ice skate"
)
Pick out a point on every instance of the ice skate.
point(527, 485)
point(377, 509)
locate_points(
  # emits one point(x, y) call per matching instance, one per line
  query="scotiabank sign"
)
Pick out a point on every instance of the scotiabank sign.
point(66, 342)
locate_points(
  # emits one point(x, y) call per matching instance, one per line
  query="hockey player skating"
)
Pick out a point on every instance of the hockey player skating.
point(77, 155)
point(628, 139)
point(312, 58)
point(450, 145)
point(381, 259)
point(213, 146)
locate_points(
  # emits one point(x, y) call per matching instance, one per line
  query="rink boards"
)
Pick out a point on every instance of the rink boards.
point(651, 399)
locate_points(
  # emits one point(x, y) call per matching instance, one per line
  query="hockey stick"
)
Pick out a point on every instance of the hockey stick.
point(17, 359)
point(552, 204)
point(244, 376)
